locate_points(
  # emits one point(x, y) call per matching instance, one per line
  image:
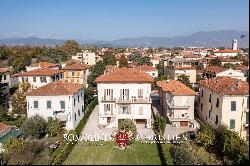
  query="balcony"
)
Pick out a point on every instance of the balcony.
point(61, 115)
point(106, 114)
point(172, 105)
point(186, 118)
point(108, 99)
point(133, 100)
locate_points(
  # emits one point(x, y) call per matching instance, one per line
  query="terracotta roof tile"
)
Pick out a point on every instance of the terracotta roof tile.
point(125, 75)
point(241, 67)
point(3, 70)
point(145, 68)
point(43, 65)
point(214, 69)
point(175, 87)
point(228, 51)
point(77, 66)
point(226, 86)
point(57, 88)
point(40, 72)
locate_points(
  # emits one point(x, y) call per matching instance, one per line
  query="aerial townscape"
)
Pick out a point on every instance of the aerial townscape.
point(77, 103)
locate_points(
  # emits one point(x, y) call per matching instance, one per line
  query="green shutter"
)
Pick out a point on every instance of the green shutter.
point(232, 124)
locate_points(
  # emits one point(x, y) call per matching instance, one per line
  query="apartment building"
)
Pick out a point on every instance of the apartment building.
point(89, 58)
point(225, 101)
point(215, 71)
point(42, 65)
point(77, 73)
point(175, 67)
point(177, 102)
point(61, 100)
point(40, 77)
point(124, 93)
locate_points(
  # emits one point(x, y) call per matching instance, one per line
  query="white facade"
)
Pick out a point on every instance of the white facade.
point(39, 81)
point(233, 74)
point(89, 58)
point(124, 101)
point(70, 113)
point(224, 54)
point(29, 68)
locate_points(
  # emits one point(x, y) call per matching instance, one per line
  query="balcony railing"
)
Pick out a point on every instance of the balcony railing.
point(185, 105)
point(61, 115)
point(108, 98)
point(106, 114)
point(186, 118)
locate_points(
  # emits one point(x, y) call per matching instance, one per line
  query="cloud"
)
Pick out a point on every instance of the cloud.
point(52, 35)
point(31, 34)
point(12, 34)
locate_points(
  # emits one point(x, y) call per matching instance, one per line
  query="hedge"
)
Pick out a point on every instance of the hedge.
point(62, 152)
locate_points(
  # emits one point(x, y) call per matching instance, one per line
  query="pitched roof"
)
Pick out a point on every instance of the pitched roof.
point(184, 67)
point(175, 87)
point(145, 68)
point(241, 67)
point(4, 126)
point(214, 69)
point(191, 56)
point(56, 88)
point(125, 75)
point(227, 51)
point(43, 65)
point(226, 86)
point(3, 70)
point(77, 66)
point(40, 72)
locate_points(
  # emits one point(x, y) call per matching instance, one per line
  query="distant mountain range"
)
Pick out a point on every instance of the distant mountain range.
point(222, 38)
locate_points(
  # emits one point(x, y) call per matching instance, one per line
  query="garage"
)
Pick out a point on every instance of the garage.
point(183, 123)
point(140, 121)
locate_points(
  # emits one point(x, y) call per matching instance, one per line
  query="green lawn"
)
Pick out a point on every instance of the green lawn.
point(95, 153)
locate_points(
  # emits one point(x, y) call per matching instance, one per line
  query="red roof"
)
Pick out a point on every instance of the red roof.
point(145, 68)
point(214, 69)
point(241, 67)
point(175, 87)
point(226, 86)
point(3, 127)
point(43, 65)
point(228, 51)
point(3, 70)
point(40, 72)
point(77, 66)
point(125, 75)
point(57, 88)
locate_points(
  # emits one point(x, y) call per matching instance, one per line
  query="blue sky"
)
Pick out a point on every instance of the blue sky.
point(113, 19)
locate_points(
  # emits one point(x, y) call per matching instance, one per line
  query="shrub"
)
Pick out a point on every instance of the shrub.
point(159, 124)
point(128, 125)
point(54, 128)
point(35, 126)
point(166, 151)
point(182, 155)
point(206, 137)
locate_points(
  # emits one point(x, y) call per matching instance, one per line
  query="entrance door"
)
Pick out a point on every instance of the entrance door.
point(108, 119)
point(183, 123)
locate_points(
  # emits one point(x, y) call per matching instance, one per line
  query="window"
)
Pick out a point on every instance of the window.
point(201, 106)
point(61, 75)
point(48, 104)
point(79, 113)
point(108, 94)
point(75, 116)
point(81, 96)
point(210, 98)
point(140, 110)
point(34, 79)
point(233, 105)
point(209, 114)
point(108, 107)
point(216, 120)
point(217, 103)
point(232, 124)
point(4, 77)
point(35, 104)
point(43, 79)
point(248, 102)
point(201, 93)
point(74, 102)
point(78, 98)
point(73, 73)
point(62, 103)
point(72, 80)
point(140, 93)
point(82, 109)
point(124, 94)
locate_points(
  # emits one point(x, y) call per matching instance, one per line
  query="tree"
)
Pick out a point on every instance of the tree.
point(35, 126)
point(18, 99)
point(135, 58)
point(198, 77)
point(215, 62)
point(109, 58)
point(160, 124)
point(128, 125)
point(96, 71)
point(182, 155)
point(206, 137)
point(71, 47)
point(160, 68)
point(54, 128)
point(145, 61)
point(229, 65)
point(184, 79)
point(123, 61)
point(88, 95)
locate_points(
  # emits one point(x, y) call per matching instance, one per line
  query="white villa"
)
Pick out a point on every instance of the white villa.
point(40, 77)
point(62, 100)
point(124, 93)
point(42, 65)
